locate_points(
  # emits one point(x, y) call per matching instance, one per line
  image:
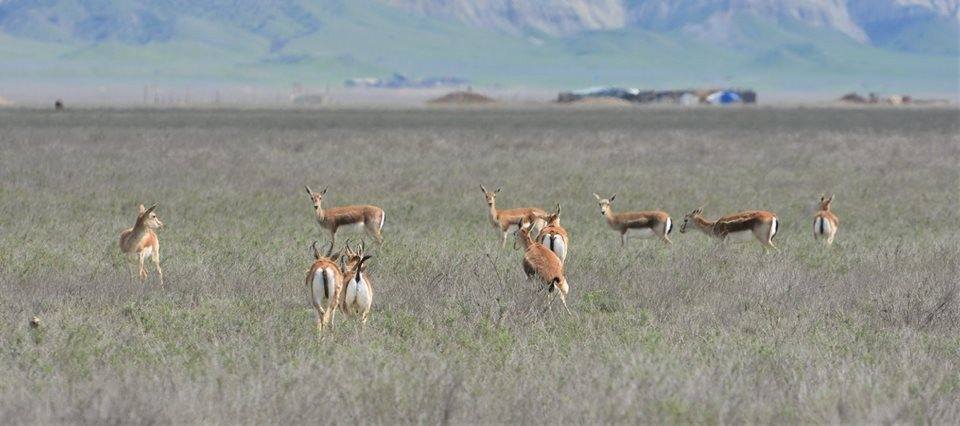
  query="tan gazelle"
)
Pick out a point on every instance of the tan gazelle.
point(554, 236)
point(541, 263)
point(142, 241)
point(367, 217)
point(643, 224)
point(825, 223)
point(743, 226)
point(325, 284)
point(504, 219)
point(358, 289)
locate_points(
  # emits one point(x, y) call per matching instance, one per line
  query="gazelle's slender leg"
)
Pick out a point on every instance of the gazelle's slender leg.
point(623, 238)
point(143, 271)
point(156, 263)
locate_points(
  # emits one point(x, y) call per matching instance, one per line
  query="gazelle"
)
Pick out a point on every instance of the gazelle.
point(554, 236)
point(325, 283)
point(540, 262)
point(358, 290)
point(644, 224)
point(825, 223)
point(762, 225)
point(504, 219)
point(142, 241)
point(362, 216)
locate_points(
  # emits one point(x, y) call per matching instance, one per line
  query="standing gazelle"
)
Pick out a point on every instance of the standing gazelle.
point(540, 262)
point(825, 223)
point(332, 219)
point(142, 240)
point(762, 225)
point(554, 236)
point(645, 224)
point(325, 283)
point(358, 290)
point(504, 219)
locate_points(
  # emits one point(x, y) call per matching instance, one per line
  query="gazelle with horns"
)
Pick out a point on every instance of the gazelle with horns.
point(142, 241)
point(643, 224)
point(554, 236)
point(825, 223)
point(358, 289)
point(504, 219)
point(362, 216)
point(325, 284)
point(743, 226)
point(540, 262)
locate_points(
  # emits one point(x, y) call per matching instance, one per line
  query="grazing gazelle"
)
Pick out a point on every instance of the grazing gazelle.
point(645, 224)
point(324, 282)
point(358, 290)
point(504, 219)
point(742, 226)
point(540, 262)
point(332, 219)
point(825, 223)
point(554, 237)
point(142, 241)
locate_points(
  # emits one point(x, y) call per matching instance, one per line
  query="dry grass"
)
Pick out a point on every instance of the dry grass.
point(866, 331)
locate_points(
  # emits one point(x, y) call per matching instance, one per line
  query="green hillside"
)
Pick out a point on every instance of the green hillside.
point(326, 42)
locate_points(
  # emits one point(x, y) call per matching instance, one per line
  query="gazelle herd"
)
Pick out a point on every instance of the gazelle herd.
point(339, 279)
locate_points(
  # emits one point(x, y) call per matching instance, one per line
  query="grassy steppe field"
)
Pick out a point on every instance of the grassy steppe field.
point(865, 331)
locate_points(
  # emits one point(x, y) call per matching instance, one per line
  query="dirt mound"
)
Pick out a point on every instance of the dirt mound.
point(602, 102)
point(462, 98)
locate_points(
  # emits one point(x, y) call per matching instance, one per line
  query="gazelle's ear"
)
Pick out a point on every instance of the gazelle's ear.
point(324, 191)
point(595, 195)
point(831, 197)
point(558, 209)
point(483, 189)
point(498, 190)
point(141, 209)
point(152, 208)
point(308, 190)
point(612, 197)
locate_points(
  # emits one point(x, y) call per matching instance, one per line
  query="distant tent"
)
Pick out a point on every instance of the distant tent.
point(724, 97)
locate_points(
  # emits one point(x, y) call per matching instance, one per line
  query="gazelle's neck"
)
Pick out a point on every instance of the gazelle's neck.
point(609, 215)
point(136, 234)
point(702, 224)
point(493, 211)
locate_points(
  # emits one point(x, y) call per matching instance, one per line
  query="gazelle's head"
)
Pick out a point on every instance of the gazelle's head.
point(698, 212)
point(351, 258)
point(604, 203)
point(825, 202)
point(148, 217)
point(554, 219)
point(522, 235)
point(316, 197)
point(491, 196)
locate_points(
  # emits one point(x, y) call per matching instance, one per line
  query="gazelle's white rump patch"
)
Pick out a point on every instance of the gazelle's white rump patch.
point(383, 217)
point(317, 287)
point(669, 226)
point(821, 226)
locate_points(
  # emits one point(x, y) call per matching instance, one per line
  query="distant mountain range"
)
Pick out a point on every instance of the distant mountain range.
point(784, 44)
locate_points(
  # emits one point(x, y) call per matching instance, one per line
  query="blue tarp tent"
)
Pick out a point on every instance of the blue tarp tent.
point(724, 97)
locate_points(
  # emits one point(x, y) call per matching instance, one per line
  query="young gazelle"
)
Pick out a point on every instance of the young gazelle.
point(363, 216)
point(645, 224)
point(504, 219)
point(142, 241)
point(762, 225)
point(325, 283)
point(554, 237)
point(540, 262)
point(825, 223)
point(358, 290)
